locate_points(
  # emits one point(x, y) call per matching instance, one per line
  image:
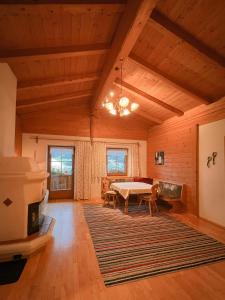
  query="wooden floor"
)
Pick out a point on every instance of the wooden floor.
point(67, 268)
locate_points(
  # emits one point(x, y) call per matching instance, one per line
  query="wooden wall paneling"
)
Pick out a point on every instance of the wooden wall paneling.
point(54, 99)
point(148, 117)
point(157, 88)
point(177, 59)
point(136, 91)
point(178, 138)
point(58, 68)
point(197, 170)
point(174, 83)
point(205, 22)
point(60, 24)
point(84, 5)
point(128, 30)
point(152, 110)
point(61, 119)
point(52, 82)
point(145, 106)
point(74, 119)
point(129, 127)
point(60, 105)
point(147, 82)
point(45, 92)
point(187, 38)
point(11, 56)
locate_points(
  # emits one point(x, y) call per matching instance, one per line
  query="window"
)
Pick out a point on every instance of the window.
point(116, 160)
point(61, 160)
point(60, 167)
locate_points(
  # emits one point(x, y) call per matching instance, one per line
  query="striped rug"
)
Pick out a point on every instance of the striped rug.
point(136, 246)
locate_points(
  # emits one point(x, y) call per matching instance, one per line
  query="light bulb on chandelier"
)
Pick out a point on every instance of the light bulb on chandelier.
point(109, 105)
point(121, 105)
point(134, 106)
point(124, 101)
point(111, 94)
point(113, 111)
point(124, 112)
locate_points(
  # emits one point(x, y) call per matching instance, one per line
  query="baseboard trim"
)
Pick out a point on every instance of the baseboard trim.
point(213, 223)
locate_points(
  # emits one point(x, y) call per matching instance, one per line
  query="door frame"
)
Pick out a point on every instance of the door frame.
point(60, 194)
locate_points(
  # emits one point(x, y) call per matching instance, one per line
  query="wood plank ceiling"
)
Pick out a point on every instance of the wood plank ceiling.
point(70, 51)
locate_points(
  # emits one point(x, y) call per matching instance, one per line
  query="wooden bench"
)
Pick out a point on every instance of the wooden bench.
point(173, 194)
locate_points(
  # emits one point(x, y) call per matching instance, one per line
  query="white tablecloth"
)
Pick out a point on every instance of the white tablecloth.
point(127, 188)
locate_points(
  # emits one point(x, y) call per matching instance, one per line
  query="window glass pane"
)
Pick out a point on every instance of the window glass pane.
point(55, 168)
point(61, 183)
point(67, 154)
point(117, 161)
point(56, 154)
point(67, 168)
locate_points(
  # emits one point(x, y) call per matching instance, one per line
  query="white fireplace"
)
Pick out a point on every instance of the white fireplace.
point(22, 191)
point(21, 184)
point(22, 199)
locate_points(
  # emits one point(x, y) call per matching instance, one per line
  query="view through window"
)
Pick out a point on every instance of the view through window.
point(61, 168)
point(116, 160)
point(61, 161)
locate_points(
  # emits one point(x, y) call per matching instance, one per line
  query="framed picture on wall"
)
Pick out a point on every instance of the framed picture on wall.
point(159, 158)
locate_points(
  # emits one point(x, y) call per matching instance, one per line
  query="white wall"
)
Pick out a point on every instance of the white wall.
point(8, 83)
point(38, 151)
point(212, 180)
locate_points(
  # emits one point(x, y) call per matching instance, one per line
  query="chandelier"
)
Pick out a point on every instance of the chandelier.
point(121, 105)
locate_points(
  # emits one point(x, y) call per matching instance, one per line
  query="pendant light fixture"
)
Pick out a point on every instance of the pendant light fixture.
point(121, 106)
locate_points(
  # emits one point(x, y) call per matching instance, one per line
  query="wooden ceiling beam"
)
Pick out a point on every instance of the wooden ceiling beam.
point(185, 36)
point(166, 78)
point(19, 55)
point(54, 82)
point(132, 22)
point(130, 88)
point(53, 99)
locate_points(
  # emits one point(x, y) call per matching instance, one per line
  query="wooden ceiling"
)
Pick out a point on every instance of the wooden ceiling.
point(71, 51)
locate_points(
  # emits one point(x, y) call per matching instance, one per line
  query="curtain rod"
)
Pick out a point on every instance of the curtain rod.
point(77, 140)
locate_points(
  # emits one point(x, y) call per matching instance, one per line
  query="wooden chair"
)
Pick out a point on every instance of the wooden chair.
point(150, 198)
point(110, 196)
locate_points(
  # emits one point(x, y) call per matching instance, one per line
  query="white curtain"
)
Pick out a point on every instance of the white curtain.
point(82, 170)
point(134, 160)
point(98, 167)
point(90, 166)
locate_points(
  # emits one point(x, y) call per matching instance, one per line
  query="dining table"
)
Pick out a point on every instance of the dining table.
point(125, 189)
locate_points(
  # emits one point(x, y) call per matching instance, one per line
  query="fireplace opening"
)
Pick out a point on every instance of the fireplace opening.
point(35, 218)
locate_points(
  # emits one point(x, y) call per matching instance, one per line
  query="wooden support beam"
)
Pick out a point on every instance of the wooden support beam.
point(51, 53)
point(173, 28)
point(134, 90)
point(167, 79)
point(53, 99)
point(54, 82)
point(131, 24)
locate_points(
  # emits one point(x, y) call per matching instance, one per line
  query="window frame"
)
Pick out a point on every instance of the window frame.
point(126, 161)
